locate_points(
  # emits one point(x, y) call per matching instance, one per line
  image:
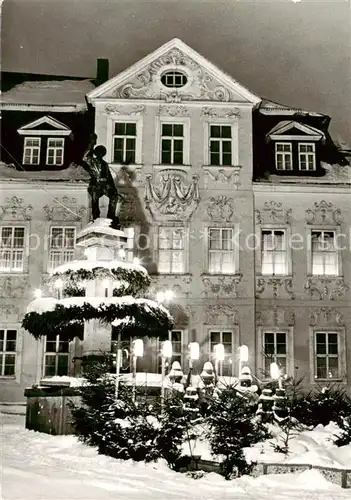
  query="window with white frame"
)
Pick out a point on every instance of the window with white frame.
point(283, 156)
point(31, 151)
point(327, 355)
point(171, 250)
point(12, 247)
point(226, 367)
point(124, 142)
point(220, 145)
point(55, 151)
point(62, 246)
point(174, 79)
point(274, 258)
point(324, 253)
point(221, 259)
point(172, 143)
point(307, 156)
point(56, 356)
point(8, 340)
point(275, 351)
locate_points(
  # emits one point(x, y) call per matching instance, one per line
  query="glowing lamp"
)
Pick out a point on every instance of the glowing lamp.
point(275, 372)
point(244, 354)
point(136, 261)
point(38, 293)
point(168, 295)
point(219, 352)
point(194, 350)
point(138, 349)
point(167, 349)
point(160, 296)
point(59, 283)
point(121, 253)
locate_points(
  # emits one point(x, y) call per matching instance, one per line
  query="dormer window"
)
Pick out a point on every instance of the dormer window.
point(174, 79)
point(307, 156)
point(54, 151)
point(283, 156)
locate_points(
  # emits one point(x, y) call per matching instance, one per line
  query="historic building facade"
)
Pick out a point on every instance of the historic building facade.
point(240, 206)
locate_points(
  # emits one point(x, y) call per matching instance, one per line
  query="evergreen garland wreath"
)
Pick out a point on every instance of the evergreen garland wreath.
point(133, 281)
point(68, 322)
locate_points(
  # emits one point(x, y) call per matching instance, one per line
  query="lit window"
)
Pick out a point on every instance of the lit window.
point(62, 246)
point(124, 143)
point(275, 351)
point(226, 367)
point(12, 249)
point(324, 253)
point(56, 356)
point(221, 251)
point(220, 145)
point(283, 156)
point(326, 355)
point(172, 144)
point(274, 252)
point(8, 339)
point(174, 79)
point(171, 250)
point(31, 151)
point(54, 152)
point(307, 157)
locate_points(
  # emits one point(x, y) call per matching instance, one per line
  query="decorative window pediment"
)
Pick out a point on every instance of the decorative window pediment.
point(45, 125)
point(292, 130)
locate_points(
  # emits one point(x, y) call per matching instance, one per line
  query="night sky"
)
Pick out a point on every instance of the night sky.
point(294, 53)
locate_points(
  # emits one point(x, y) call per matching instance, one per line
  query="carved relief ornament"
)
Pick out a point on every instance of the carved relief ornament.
point(173, 111)
point(207, 112)
point(274, 287)
point(201, 85)
point(115, 109)
point(220, 208)
point(275, 316)
point(8, 310)
point(225, 176)
point(323, 213)
point(326, 288)
point(326, 316)
point(15, 209)
point(172, 198)
point(13, 286)
point(221, 314)
point(221, 286)
point(273, 211)
point(64, 209)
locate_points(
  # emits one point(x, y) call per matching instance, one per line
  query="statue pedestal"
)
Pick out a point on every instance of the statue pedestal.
point(102, 244)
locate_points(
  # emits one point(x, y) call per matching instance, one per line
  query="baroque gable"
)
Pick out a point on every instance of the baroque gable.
point(201, 80)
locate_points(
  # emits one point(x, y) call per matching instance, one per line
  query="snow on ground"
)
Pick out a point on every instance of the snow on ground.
point(38, 466)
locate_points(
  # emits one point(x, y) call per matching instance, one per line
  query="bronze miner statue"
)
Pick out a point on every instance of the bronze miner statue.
point(101, 181)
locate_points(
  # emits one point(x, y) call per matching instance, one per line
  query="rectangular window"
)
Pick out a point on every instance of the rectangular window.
point(124, 143)
point(56, 356)
point(8, 339)
point(176, 337)
point(54, 152)
point(275, 351)
point(274, 252)
point(283, 156)
point(220, 145)
point(221, 251)
point(307, 157)
point(31, 151)
point(171, 250)
point(326, 355)
point(324, 253)
point(172, 143)
point(62, 246)
point(226, 338)
point(11, 249)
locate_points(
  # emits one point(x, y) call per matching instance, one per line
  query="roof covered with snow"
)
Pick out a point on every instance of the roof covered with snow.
point(73, 173)
point(76, 265)
point(267, 106)
point(53, 92)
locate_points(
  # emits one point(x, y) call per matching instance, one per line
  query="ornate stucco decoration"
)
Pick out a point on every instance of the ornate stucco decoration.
point(220, 208)
point(207, 112)
point(8, 310)
point(220, 177)
point(172, 198)
point(15, 209)
point(128, 212)
point(201, 85)
point(221, 286)
point(275, 316)
point(273, 211)
point(326, 288)
point(173, 111)
point(64, 209)
point(323, 213)
point(326, 316)
point(178, 283)
point(115, 109)
point(13, 286)
point(221, 314)
point(274, 287)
